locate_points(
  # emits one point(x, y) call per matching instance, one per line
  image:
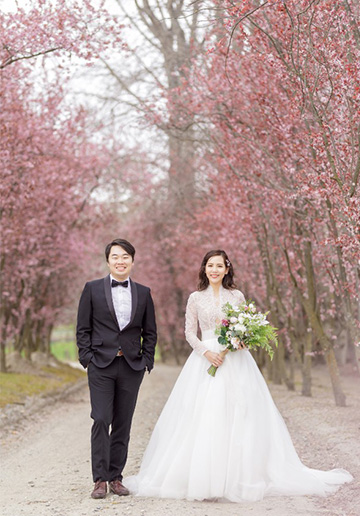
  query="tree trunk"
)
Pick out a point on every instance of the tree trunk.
point(339, 395)
point(48, 339)
point(2, 350)
point(309, 304)
point(28, 336)
point(306, 368)
point(348, 308)
point(276, 364)
point(316, 324)
point(291, 385)
point(326, 345)
point(4, 326)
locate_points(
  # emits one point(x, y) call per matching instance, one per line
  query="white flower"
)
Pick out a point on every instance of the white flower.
point(235, 341)
point(252, 308)
point(233, 320)
point(240, 327)
point(241, 318)
point(263, 322)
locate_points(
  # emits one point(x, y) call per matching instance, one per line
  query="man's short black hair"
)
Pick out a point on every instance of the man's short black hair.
point(129, 248)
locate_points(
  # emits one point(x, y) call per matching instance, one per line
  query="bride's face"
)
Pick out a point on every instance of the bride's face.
point(215, 270)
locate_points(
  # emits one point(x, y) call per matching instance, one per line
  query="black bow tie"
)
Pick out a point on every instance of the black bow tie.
point(115, 283)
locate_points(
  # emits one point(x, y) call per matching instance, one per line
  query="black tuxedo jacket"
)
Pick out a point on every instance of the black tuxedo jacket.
point(98, 334)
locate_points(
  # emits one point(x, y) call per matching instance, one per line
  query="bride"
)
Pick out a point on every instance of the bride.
point(222, 437)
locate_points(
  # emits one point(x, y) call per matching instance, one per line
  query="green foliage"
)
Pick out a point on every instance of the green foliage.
point(15, 388)
point(157, 357)
point(63, 345)
point(245, 324)
point(64, 351)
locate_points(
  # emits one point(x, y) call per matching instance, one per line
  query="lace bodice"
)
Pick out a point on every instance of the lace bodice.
point(205, 309)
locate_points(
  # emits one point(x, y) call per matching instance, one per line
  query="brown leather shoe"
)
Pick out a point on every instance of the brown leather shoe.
point(100, 489)
point(116, 487)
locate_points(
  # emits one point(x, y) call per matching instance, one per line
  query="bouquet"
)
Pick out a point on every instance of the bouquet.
point(244, 324)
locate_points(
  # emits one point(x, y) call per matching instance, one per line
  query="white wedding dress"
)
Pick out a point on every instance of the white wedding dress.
point(222, 437)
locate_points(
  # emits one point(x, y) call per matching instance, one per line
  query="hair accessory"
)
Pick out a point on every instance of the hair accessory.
point(228, 263)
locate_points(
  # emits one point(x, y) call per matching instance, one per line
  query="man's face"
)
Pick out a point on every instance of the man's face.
point(120, 263)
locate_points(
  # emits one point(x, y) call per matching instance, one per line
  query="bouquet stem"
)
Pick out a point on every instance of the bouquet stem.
point(212, 369)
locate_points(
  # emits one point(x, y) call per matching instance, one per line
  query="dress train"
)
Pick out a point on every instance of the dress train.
point(223, 437)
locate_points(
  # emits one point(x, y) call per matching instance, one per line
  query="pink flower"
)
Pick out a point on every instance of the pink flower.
point(225, 322)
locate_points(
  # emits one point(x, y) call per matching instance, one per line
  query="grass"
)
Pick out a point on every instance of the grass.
point(15, 388)
point(64, 350)
point(63, 345)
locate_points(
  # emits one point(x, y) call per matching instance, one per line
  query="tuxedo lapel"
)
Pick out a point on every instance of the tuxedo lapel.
point(107, 286)
point(134, 300)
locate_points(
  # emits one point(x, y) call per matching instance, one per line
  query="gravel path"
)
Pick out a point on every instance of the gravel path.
point(45, 458)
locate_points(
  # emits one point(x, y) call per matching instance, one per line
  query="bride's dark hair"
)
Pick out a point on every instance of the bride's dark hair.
point(228, 279)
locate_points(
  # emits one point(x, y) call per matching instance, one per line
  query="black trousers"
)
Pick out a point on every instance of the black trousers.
point(113, 394)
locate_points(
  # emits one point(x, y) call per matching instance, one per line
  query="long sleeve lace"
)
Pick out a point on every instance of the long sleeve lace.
point(204, 311)
point(191, 326)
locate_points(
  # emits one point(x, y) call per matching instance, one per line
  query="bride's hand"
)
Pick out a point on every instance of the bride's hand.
point(214, 358)
point(242, 345)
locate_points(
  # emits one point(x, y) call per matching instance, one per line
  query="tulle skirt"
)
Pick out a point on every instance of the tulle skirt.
point(222, 437)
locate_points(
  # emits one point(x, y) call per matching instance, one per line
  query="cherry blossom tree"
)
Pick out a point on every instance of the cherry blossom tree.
point(168, 37)
point(50, 165)
point(278, 111)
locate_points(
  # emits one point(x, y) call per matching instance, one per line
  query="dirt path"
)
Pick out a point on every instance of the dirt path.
point(45, 466)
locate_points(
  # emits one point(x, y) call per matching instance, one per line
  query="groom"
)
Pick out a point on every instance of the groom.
point(116, 337)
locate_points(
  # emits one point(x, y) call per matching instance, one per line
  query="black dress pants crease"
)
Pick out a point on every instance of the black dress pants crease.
point(113, 394)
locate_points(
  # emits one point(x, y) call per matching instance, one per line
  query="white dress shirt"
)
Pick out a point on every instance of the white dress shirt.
point(121, 297)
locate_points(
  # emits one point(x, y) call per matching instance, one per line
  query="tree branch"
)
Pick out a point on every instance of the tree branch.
point(13, 59)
